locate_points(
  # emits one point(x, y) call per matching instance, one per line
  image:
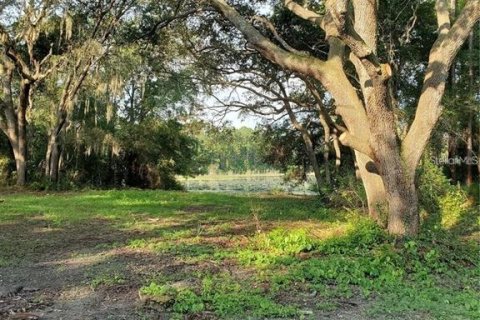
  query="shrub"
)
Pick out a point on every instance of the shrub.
point(287, 241)
point(4, 166)
point(347, 192)
point(432, 184)
point(442, 204)
point(362, 234)
point(275, 246)
point(187, 301)
point(158, 293)
point(453, 205)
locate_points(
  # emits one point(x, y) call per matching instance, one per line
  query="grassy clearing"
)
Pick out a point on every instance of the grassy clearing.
point(216, 256)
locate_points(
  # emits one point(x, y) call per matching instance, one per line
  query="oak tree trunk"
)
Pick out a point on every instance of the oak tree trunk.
point(19, 144)
point(52, 158)
point(403, 215)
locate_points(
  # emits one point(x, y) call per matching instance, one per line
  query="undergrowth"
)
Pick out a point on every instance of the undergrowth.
point(292, 258)
point(433, 275)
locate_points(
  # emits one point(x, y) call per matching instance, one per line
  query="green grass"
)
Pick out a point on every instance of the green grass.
point(107, 280)
point(127, 206)
point(244, 256)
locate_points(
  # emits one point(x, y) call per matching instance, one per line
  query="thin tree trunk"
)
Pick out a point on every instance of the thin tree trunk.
point(336, 147)
point(452, 153)
point(326, 164)
point(308, 145)
point(54, 163)
point(469, 179)
point(326, 123)
point(53, 153)
point(21, 145)
point(61, 161)
point(326, 148)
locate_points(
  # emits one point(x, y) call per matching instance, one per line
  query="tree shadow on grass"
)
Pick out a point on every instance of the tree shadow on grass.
point(69, 208)
point(83, 243)
point(82, 272)
point(467, 224)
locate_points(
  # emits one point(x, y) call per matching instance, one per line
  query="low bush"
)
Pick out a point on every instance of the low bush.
point(221, 294)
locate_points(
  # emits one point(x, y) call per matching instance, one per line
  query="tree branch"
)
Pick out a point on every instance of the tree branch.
point(272, 29)
point(354, 142)
point(288, 60)
point(24, 70)
point(167, 21)
point(320, 106)
point(441, 57)
point(330, 73)
point(336, 24)
point(443, 18)
point(304, 13)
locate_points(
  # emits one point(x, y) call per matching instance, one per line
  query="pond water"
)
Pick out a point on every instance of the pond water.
point(246, 183)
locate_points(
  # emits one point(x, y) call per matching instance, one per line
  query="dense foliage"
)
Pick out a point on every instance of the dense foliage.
point(119, 95)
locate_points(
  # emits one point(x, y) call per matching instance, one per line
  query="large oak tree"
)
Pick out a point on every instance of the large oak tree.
point(26, 59)
point(387, 161)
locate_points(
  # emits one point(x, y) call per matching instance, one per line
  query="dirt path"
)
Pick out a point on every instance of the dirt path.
point(71, 273)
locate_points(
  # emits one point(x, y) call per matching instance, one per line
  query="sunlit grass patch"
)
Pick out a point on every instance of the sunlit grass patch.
point(266, 256)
